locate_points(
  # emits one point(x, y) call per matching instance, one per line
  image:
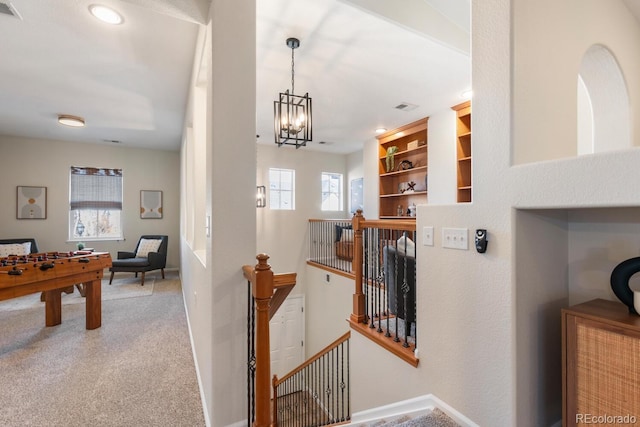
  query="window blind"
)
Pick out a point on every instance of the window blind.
point(95, 188)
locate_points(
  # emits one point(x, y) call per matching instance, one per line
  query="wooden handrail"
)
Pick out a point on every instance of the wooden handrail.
point(359, 316)
point(318, 355)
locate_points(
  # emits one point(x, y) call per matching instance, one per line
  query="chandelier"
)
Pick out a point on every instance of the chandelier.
point(292, 113)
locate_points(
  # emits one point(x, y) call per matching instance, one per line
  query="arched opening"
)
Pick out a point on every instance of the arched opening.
point(603, 113)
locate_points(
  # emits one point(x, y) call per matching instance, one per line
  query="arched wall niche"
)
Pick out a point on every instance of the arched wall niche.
point(603, 108)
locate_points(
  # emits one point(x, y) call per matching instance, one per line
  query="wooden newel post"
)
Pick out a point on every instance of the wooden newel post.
point(262, 289)
point(358, 314)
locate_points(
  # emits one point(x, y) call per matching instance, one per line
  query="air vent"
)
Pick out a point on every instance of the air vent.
point(9, 9)
point(405, 106)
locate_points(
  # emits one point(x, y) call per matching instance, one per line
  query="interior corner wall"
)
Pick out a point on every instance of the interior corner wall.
point(231, 202)
point(541, 254)
point(48, 163)
point(600, 239)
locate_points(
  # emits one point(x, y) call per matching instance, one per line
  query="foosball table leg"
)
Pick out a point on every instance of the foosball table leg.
point(53, 307)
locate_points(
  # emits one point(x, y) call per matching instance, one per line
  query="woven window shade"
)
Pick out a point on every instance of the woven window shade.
point(96, 188)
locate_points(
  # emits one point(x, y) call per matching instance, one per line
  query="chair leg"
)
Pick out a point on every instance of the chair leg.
point(111, 278)
point(142, 280)
point(162, 270)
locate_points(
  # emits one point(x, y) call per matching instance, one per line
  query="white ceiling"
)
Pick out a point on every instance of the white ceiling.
point(358, 59)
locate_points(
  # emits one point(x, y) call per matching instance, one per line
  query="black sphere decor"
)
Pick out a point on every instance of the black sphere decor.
point(620, 281)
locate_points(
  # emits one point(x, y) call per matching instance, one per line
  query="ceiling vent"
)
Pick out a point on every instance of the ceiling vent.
point(7, 8)
point(405, 106)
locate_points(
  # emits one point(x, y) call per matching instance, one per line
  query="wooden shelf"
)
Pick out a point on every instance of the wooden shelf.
point(463, 150)
point(392, 182)
point(405, 194)
point(404, 172)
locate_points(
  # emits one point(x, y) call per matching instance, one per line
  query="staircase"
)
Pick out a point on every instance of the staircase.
point(434, 418)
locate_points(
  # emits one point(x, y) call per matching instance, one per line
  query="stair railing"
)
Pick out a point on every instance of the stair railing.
point(316, 393)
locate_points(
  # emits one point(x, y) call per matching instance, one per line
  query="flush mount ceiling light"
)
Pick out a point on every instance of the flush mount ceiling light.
point(292, 113)
point(73, 121)
point(467, 94)
point(380, 131)
point(106, 14)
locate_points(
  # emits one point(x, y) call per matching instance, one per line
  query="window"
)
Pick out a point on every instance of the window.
point(95, 204)
point(282, 189)
point(331, 191)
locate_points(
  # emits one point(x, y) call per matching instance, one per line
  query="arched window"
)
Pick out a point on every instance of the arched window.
point(604, 120)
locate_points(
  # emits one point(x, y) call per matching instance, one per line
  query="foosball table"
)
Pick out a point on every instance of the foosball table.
point(52, 273)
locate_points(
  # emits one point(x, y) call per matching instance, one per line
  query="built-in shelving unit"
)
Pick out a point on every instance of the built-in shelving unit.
point(411, 143)
point(463, 137)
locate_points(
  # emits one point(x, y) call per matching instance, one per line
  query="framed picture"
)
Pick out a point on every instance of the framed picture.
point(150, 204)
point(31, 202)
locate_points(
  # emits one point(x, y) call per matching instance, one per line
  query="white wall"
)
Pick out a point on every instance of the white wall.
point(442, 165)
point(355, 170)
point(600, 239)
point(546, 66)
point(47, 163)
point(480, 308)
point(214, 288)
point(283, 234)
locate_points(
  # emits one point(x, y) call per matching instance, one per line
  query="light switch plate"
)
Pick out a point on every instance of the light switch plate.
point(455, 238)
point(427, 235)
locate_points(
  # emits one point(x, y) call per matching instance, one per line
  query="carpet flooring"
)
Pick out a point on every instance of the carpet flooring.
point(435, 418)
point(135, 370)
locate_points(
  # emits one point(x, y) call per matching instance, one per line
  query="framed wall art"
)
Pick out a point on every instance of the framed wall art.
point(150, 204)
point(31, 202)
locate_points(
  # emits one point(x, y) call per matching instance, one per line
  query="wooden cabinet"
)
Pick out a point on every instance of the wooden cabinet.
point(600, 364)
point(409, 168)
point(463, 142)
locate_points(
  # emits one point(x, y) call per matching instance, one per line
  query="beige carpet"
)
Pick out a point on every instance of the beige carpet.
point(123, 286)
point(137, 369)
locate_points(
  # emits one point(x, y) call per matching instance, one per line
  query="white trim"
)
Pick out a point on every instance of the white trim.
point(414, 407)
point(203, 399)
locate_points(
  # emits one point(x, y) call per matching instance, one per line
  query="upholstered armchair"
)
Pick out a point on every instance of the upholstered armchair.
point(396, 264)
point(150, 254)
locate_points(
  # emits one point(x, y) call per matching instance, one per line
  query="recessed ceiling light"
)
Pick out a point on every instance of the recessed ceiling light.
point(106, 14)
point(73, 121)
point(380, 130)
point(466, 94)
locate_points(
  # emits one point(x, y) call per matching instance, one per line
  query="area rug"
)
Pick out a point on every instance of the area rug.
point(122, 287)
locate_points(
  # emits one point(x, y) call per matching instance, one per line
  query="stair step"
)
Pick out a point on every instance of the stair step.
point(435, 418)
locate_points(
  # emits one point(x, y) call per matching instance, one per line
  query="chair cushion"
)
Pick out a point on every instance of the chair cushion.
point(146, 246)
point(15, 249)
point(130, 262)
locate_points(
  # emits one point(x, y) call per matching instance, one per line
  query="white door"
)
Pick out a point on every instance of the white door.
point(287, 336)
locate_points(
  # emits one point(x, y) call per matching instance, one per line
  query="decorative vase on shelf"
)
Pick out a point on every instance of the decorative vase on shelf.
point(391, 151)
point(620, 281)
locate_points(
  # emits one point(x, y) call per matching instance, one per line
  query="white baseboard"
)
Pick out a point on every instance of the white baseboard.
point(207, 421)
point(413, 407)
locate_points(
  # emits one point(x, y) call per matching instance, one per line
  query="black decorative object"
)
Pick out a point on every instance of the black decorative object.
point(620, 281)
point(405, 165)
